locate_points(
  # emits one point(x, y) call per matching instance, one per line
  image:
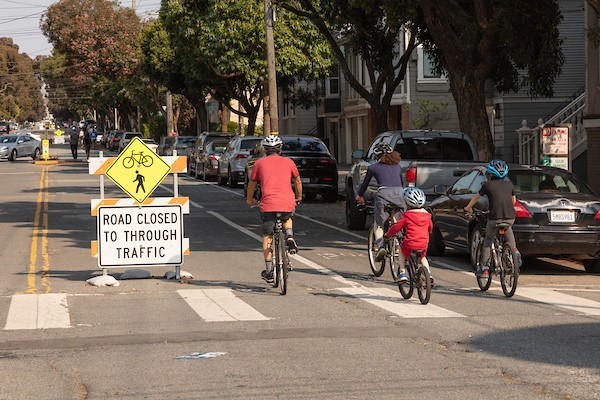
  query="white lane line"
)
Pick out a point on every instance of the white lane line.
point(554, 297)
point(213, 305)
point(38, 311)
point(388, 300)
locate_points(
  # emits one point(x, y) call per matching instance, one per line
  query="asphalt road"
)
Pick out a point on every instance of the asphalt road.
point(339, 333)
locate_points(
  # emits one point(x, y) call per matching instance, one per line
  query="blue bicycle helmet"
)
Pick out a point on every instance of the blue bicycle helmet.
point(497, 168)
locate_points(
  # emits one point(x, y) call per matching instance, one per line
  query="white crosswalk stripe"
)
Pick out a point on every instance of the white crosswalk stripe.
point(38, 311)
point(556, 298)
point(390, 300)
point(219, 305)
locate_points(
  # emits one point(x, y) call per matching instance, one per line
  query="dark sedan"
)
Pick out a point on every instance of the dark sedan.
point(317, 167)
point(557, 215)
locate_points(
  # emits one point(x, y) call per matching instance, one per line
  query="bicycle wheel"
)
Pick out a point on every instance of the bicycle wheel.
point(282, 266)
point(394, 256)
point(128, 162)
point(276, 259)
point(376, 267)
point(509, 272)
point(423, 282)
point(407, 288)
point(147, 161)
point(485, 282)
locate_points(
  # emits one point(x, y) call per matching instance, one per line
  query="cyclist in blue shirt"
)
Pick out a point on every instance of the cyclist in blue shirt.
point(388, 173)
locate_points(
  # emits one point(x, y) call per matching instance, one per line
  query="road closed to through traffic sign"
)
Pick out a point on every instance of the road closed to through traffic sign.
point(140, 235)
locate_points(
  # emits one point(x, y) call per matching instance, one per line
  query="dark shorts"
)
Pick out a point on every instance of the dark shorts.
point(268, 221)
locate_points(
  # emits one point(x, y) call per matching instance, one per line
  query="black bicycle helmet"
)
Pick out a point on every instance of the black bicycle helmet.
point(497, 168)
point(381, 149)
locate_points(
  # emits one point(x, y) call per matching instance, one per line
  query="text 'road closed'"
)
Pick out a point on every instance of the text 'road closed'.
point(146, 235)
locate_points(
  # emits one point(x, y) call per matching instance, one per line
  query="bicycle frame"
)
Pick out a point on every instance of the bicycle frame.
point(280, 257)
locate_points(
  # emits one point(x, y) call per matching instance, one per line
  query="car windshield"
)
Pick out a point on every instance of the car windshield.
point(132, 135)
point(249, 144)
point(219, 146)
point(546, 181)
point(449, 149)
point(186, 141)
point(310, 145)
point(8, 139)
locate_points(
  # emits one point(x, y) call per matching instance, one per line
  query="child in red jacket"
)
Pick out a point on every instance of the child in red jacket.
point(417, 225)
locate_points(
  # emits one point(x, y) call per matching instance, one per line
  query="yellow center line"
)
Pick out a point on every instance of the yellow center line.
point(31, 288)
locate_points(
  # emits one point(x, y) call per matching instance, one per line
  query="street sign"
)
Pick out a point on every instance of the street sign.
point(140, 235)
point(555, 140)
point(138, 170)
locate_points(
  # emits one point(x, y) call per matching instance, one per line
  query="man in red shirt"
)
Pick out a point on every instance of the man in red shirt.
point(275, 174)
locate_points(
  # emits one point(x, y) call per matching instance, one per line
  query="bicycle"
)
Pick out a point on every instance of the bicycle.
point(418, 277)
point(141, 159)
point(392, 246)
point(281, 259)
point(501, 260)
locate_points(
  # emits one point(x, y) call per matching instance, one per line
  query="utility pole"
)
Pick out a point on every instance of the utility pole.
point(169, 100)
point(271, 104)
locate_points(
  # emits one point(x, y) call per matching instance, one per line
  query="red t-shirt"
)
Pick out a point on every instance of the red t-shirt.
point(275, 174)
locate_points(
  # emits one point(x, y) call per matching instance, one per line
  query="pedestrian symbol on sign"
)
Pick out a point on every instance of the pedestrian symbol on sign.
point(140, 180)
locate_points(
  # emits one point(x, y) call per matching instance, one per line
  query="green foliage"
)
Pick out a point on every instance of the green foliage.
point(427, 109)
point(20, 96)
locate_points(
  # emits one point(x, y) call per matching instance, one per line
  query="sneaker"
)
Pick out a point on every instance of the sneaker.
point(291, 245)
point(381, 253)
point(267, 276)
point(402, 278)
point(431, 279)
point(518, 258)
point(482, 272)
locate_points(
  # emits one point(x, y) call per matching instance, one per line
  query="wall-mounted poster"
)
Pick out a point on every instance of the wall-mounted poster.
point(555, 141)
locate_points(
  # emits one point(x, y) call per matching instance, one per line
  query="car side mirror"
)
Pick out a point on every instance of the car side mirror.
point(358, 154)
point(20, 141)
point(440, 189)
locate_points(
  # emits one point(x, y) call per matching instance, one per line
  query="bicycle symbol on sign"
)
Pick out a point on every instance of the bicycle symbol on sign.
point(139, 158)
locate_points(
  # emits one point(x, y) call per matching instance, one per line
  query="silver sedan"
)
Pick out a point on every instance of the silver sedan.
point(19, 145)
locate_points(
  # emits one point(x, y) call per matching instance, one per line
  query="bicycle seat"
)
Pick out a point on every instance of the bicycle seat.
point(391, 208)
point(503, 226)
point(418, 253)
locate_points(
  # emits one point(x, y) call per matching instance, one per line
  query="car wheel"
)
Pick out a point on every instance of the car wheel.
point(309, 196)
point(13, 155)
point(222, 181)
point(36, 154)
point(231, 181)
point(475, 246)
point(436, 243)
point(355, 218)
point(592, 266)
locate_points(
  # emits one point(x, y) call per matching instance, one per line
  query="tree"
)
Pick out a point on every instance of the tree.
point(514, 45)
point(20, 95)
point(221, 45)
point(372, 30)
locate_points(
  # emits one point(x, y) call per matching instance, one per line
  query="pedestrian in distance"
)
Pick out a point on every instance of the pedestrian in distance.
point(74, 142)
point(275, 175)
point(388, 173)
point(417, 225)
point(501, 197)
point(87, 144)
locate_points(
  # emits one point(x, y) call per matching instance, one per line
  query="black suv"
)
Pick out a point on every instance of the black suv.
point(317, 167)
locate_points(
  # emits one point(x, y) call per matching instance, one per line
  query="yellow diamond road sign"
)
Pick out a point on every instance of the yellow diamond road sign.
point(138, 170)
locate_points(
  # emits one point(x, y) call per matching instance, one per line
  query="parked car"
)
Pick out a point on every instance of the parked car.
point(232, 164)
point(5, 126)
point(317, 167)
point(113, 144)
point(183, 145)
point(200, 146)
point(207, 163)
point(429, 158)
point(556, 215)
point(126, 138)
point(13, 146)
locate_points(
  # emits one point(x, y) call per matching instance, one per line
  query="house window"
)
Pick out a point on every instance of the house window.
point(332, 86)
point(425, 68)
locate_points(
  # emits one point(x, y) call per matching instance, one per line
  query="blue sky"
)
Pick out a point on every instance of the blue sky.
point(20, 20)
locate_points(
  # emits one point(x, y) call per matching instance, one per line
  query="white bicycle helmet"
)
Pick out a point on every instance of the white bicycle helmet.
point(272, 141)
point(414, 197)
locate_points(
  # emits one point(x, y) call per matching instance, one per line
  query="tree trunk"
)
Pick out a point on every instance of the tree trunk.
point(470, 105)
point(380, 118)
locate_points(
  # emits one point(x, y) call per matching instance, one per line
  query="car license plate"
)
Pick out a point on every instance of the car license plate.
point(305, 180)
point(562, 216)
